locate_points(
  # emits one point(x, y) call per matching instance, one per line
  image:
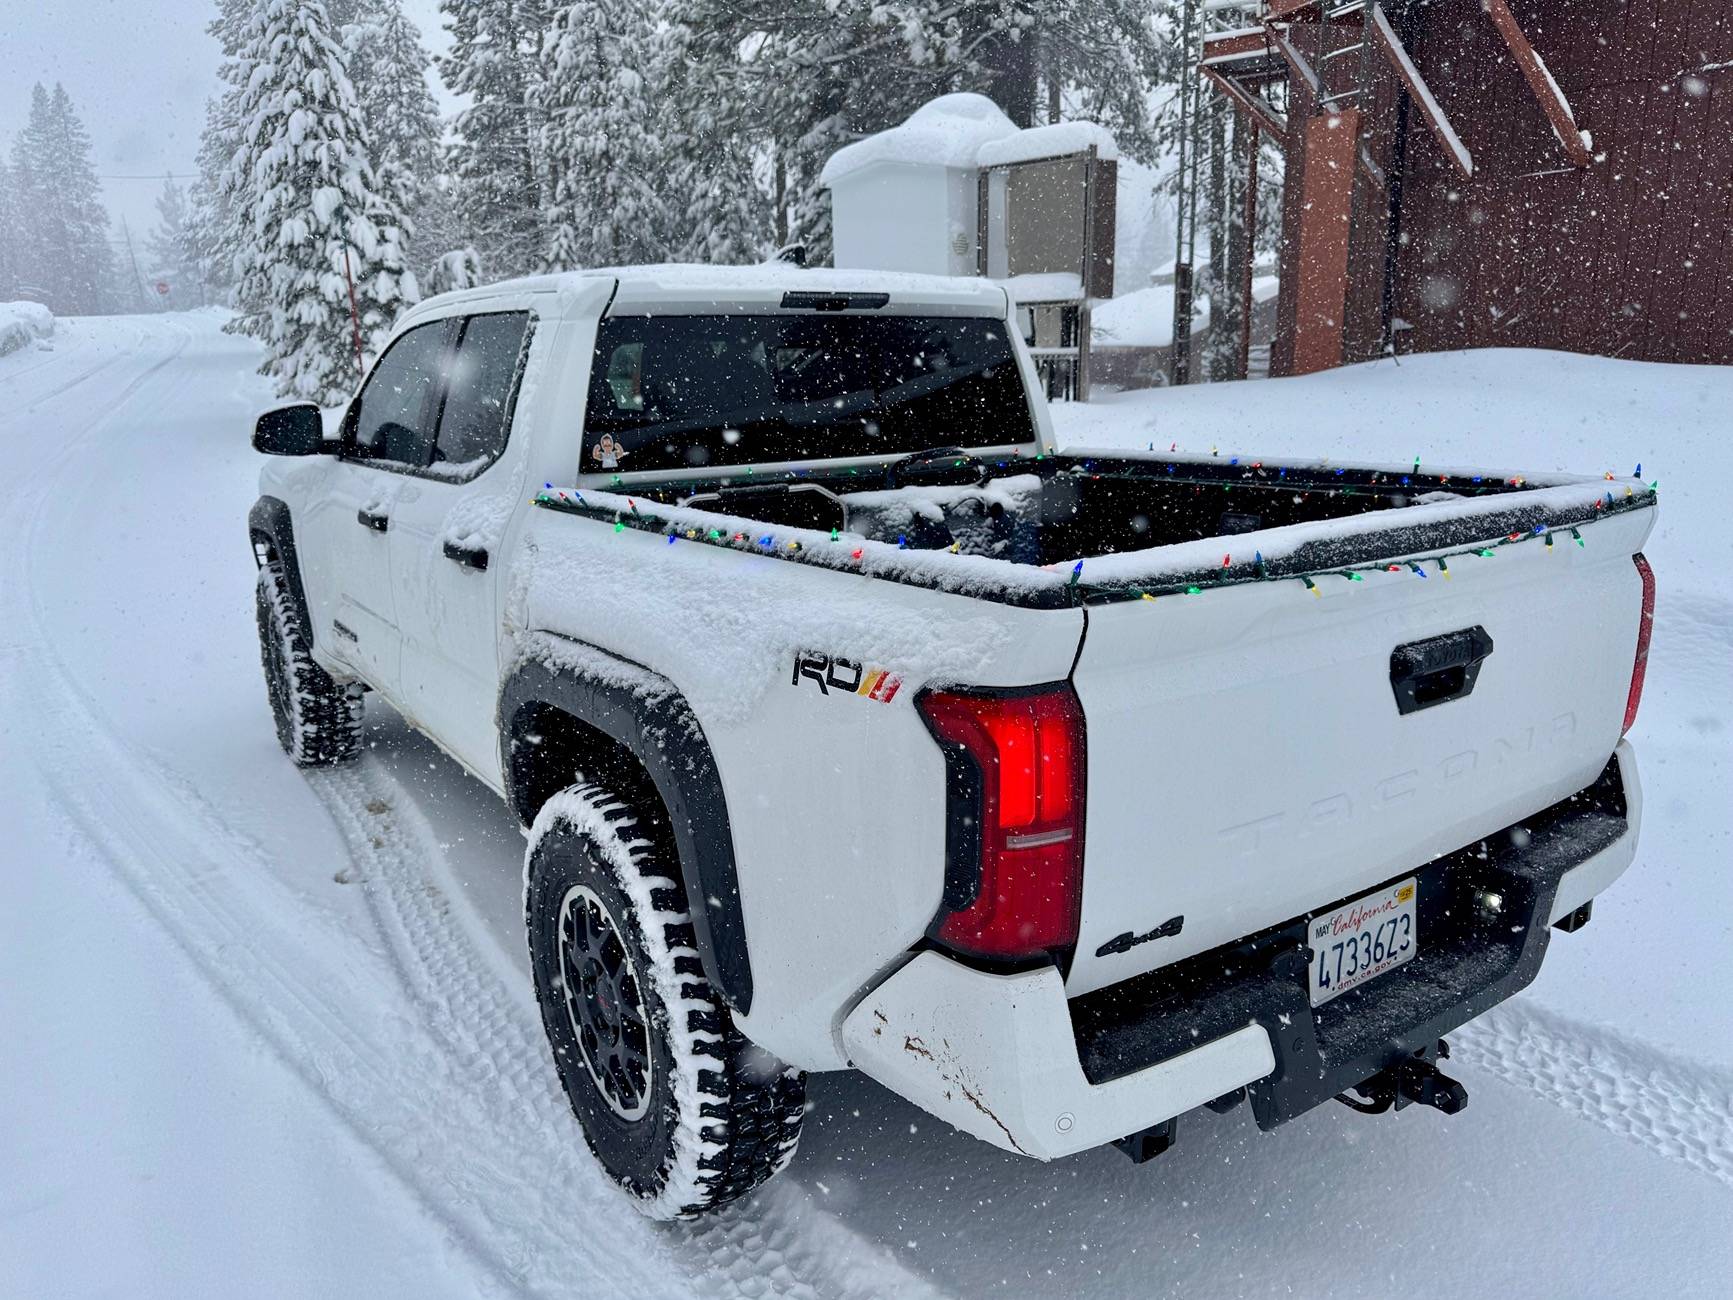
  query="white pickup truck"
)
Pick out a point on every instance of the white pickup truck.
point(855, 724)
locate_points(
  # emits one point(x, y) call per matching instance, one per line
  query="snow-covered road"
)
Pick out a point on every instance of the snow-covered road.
point(275, 1035)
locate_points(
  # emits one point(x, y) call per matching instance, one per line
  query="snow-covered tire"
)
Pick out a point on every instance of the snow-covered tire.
point(318, 719)
point(693, 1116)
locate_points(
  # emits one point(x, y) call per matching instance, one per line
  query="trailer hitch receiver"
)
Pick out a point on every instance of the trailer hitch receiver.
point(1414, 1080)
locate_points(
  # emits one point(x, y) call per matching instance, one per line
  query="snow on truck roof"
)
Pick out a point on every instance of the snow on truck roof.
point(695, 284)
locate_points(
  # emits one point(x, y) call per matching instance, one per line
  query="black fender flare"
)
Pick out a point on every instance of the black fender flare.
point(659, 729)
point(268, 522)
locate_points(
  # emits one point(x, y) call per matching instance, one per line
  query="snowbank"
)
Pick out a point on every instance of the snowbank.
point(947, 132)
point(1143, 318)
point(22, 323)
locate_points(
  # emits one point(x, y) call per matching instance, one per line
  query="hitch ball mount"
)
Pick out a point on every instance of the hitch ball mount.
point(1413, 1080)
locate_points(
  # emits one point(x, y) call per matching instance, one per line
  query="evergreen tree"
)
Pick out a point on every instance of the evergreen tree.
point(813, 74)
point(214, 235)
point(498, 184)
point(65, 257)
point(717, 207)
point(312, 220)
point(388, 68)
point(11, 235)
point(167, 249)
point(602, 157)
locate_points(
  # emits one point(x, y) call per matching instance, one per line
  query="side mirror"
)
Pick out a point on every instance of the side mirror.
point(297, 430)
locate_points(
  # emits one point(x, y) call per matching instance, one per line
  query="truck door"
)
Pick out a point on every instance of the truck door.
point(446, 527)
point(387, 435)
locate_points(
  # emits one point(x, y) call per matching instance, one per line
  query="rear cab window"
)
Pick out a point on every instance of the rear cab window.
point(679, 392)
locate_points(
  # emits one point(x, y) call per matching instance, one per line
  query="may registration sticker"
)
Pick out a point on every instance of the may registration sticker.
point(1362, 940)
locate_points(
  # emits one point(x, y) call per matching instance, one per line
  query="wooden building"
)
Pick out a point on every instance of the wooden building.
point(1495, 173)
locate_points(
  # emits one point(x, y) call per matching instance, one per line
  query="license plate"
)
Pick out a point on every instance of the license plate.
point(1362, 940)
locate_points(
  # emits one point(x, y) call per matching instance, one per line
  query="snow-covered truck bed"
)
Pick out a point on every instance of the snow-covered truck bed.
point(1063, 792)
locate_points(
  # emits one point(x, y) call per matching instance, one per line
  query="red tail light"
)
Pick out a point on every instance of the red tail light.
point(1014, 872)
point(1643, 629)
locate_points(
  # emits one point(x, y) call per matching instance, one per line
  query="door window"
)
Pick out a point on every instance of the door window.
point(393, 420)
point(481, 384)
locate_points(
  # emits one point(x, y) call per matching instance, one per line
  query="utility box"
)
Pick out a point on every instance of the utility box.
point(958, 189)
point(906, 199)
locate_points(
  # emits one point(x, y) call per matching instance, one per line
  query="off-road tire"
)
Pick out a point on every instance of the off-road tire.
point(719, 1116)
point(318, 719)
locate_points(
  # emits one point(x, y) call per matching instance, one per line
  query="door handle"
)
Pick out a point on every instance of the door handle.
point(471, 557)
point(1438, 669)
point(367, 519)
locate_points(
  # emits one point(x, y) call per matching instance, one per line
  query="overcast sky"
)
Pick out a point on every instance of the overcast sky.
point(139, 72)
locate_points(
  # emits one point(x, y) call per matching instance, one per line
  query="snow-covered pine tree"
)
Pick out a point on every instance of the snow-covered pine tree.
point(782, 80)
point(11, 234)
point(303, 194)
point(717, 208)
point(166, 249)
point(814, 74)
point(498, 184)
point(65, 255)
point(388, 68)
point(603, 159)
point(213, 236)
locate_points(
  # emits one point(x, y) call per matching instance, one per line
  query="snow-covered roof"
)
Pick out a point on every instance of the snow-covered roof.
point(1044, 286)
point(1047, 142)
point(948, 131)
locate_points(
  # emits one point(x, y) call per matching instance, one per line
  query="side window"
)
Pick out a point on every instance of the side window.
point(478, 398)
point(394, 422)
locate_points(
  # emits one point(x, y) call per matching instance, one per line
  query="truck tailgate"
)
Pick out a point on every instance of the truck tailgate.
point(1249, 762)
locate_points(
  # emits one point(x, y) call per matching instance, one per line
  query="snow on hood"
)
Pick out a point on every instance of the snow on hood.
point(948, 131)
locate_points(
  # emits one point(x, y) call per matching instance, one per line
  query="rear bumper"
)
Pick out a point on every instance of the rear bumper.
point(1008, 1059)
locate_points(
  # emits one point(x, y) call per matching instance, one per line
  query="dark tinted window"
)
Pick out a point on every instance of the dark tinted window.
point(478, 396)
point(679, 392)
point(394, 421)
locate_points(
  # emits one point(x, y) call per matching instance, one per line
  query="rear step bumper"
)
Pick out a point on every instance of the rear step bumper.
point(1008, 1059)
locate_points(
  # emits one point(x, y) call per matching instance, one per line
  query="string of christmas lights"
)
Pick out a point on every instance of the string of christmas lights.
point(1076, 587)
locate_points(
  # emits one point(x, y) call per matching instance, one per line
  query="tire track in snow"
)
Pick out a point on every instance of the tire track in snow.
point(777, 1242)
point(521, 1200)
point(175, 853)
point(1675, 1108)
point(78, 379)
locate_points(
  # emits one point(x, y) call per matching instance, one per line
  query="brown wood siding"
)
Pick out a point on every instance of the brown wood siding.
point(1628, 257)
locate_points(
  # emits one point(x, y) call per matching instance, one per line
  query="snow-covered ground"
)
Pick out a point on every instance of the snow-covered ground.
point(274, 1035)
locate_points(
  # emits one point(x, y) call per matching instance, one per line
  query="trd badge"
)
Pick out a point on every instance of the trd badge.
point(845, 677)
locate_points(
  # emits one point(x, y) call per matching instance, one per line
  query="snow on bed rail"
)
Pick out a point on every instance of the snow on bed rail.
point(963, 575)
point(1457, 524)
